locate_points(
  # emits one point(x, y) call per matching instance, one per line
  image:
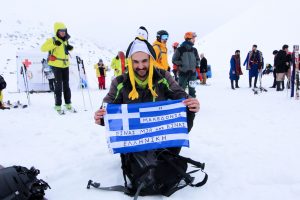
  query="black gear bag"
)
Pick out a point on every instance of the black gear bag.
point(20, 183)
point(159, 172)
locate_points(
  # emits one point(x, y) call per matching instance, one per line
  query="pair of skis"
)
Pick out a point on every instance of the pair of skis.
point(81, 65)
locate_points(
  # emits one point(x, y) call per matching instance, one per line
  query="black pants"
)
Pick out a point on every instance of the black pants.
point(61, 84)
point(274, 81)
point(51, 84)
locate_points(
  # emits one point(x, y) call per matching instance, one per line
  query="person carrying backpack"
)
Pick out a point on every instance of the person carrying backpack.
point(100, 73)
point(58, 48)
point(146, 83)
point(161, 50)
point(187, 59)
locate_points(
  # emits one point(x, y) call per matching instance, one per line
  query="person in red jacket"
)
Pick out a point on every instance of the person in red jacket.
point(175, 70)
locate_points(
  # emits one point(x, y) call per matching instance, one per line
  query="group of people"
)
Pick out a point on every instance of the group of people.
point(282, 67)
point(255, 62)
point(186, 61)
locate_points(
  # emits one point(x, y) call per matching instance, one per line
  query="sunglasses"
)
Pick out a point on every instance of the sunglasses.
point(164, 37)
point(62, 30)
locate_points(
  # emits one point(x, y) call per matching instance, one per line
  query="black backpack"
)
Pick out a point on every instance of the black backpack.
point(159, 172)
point(2, 83)
point(20, 183)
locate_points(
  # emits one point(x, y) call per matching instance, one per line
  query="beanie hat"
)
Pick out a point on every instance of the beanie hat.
point(140, 45)
point(142, 32)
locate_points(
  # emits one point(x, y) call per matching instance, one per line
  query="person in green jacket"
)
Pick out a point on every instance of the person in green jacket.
point(58, 48)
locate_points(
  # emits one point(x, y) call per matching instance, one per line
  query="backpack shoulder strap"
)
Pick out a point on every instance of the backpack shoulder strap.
point(51, 52)
point(120, 85)
point(159, 55)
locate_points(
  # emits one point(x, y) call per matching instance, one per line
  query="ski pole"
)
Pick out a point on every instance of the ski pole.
point(24, 73)
point(88, 86)
point(78, 62)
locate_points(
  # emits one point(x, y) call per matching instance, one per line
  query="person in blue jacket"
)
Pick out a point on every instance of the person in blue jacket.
point(254, 63)
point(235, 69)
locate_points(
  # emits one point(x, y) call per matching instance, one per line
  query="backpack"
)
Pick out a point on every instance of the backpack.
point(156, 172)
point(20, 183)
point(160, 52)
point(2, 83)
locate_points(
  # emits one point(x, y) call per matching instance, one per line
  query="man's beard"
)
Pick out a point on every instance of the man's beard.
point(142, 76)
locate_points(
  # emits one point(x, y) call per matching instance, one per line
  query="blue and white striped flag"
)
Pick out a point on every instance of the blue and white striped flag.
point(145, 126)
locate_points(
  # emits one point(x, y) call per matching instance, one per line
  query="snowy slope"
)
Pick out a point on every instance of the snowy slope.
point(26, 35)
point(250, 143)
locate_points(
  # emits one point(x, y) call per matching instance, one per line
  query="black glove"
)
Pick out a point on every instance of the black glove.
point(69, 47)
point(57, 43)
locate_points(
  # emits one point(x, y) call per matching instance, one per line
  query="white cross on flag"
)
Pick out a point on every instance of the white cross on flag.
point(146, 126)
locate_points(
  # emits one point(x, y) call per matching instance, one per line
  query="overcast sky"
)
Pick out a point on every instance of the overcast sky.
point(114, 23)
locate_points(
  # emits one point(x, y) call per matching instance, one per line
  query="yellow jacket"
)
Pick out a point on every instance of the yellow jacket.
point(62, 60)
point(96, 67)
point(161, 55)
point(117, 67)
point(1, 96)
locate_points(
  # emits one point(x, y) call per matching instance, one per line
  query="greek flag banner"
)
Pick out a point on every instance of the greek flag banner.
point(145, 126)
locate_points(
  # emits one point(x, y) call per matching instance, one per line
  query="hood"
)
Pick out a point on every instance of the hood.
point(60, 25)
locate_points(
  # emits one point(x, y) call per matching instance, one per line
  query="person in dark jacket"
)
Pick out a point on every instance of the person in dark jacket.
point(254, 63)
point(203, 68)
point(145, 83)
point(235, 69)
point(187, 59)
point(288, 72)
point(282, 63)
point(275, 52)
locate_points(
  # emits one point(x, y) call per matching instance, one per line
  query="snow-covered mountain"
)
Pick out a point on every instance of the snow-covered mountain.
point(25, 35)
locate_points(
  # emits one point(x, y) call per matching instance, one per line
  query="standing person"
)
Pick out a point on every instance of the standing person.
point(275, 52)
point(137, 85)
point(58, 48)
point(2, 87)
point(235, 69)
point(203, 68)
point(254, 63)
point(282, 62)
point(288, 71)
point(161, 50)
point(175, 68)
point(187, 60)
point(118, 64)
point(100, 73)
